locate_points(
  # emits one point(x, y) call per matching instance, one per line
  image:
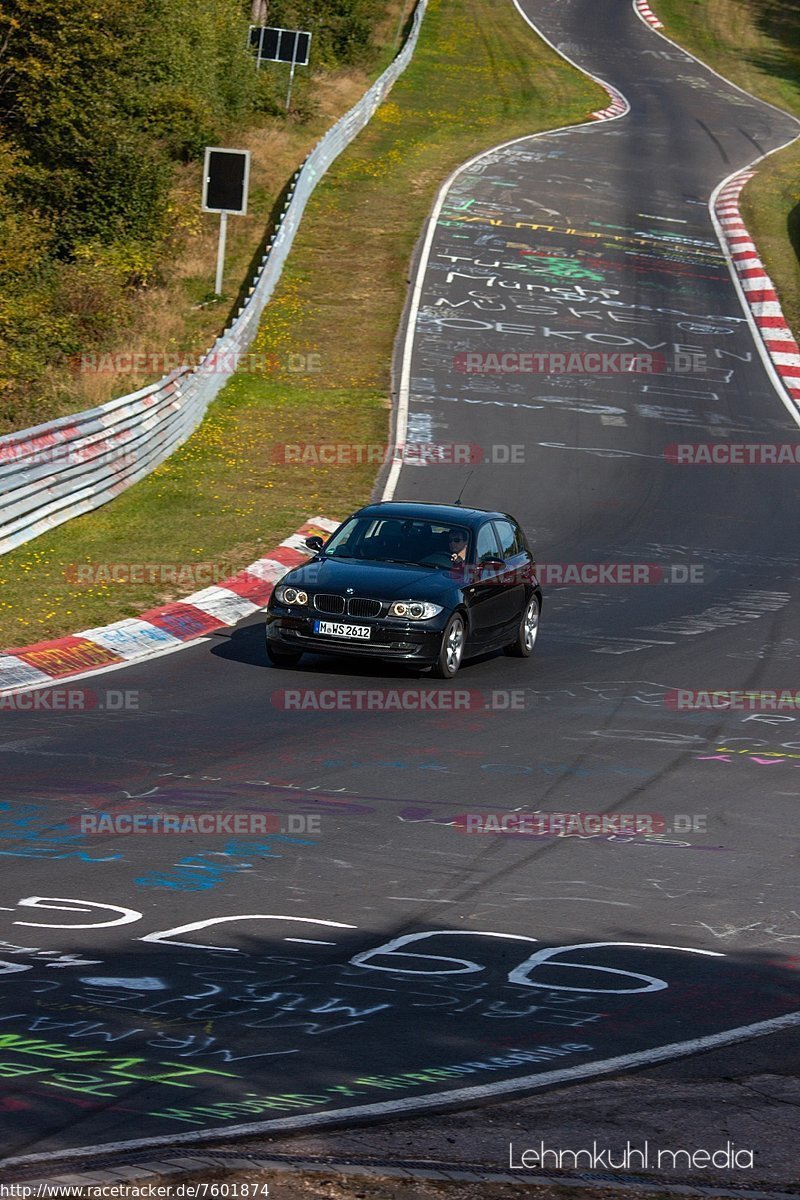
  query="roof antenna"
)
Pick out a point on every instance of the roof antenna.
point(466, 481)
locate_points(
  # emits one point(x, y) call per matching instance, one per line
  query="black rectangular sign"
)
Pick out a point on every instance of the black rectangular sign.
point(225, 179)
point(280, 45)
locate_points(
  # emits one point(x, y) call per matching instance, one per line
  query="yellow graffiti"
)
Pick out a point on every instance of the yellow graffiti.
point(584, 233)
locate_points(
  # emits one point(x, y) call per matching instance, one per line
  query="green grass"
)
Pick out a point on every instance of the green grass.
point(756, 43)
point(479, 77)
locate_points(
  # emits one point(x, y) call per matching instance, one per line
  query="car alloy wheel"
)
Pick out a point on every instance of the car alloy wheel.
point(452, 648)
point(530, 624)
point(523, 644)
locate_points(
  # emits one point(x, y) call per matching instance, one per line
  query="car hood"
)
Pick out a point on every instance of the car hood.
point(380, 581)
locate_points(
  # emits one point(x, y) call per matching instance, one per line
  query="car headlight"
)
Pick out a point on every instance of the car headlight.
point(414, 610)
point(290, 596)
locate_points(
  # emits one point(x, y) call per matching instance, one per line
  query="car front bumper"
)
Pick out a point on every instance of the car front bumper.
point(402, 641)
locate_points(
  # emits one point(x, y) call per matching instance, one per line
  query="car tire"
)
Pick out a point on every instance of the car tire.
point(451, 650)
point(283, 658)
point(524, 642)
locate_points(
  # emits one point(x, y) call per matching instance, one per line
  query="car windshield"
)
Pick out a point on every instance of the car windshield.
point(419, 543)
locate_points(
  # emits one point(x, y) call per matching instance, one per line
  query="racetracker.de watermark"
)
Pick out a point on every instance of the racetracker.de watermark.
point(206, 823)
point(722, 700)
point(196, 574)
point(74, 699)
point(582, 825)
point(218, 362)
point(415, 454)
point(579, 574)
point(583, 362)
point(624, 574)
point(63, 453)
point(560, 824)
point(733, 454)
point(394, 700)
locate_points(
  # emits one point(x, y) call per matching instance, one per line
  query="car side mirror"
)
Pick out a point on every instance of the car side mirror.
point(315, 543)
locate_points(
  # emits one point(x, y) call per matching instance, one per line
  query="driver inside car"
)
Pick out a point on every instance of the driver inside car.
point(457, 542)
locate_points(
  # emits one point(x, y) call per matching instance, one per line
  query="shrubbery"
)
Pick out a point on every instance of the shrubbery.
point(100, 100)
point(102, 97)
point(341, 28)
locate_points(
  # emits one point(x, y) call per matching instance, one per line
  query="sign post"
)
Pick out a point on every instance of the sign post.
point(291, 72)
point(223, 233)
point(226, 176)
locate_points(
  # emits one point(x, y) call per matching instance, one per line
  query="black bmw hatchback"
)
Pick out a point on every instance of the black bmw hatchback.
point(421, 584)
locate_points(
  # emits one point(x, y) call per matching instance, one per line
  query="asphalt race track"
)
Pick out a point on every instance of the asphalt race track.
point(364, 954)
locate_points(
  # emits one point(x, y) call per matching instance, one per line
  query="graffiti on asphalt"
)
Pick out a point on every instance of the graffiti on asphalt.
point(222, 1014)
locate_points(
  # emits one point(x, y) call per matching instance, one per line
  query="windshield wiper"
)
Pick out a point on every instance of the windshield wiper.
point(407, 562)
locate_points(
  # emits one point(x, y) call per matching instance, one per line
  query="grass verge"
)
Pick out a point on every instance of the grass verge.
point(756, 44)
point(479, 77)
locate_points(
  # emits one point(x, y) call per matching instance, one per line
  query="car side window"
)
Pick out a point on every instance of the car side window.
point(487, 549)
point(510, 542)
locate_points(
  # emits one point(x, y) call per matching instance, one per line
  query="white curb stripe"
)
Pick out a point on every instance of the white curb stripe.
point(646, 13)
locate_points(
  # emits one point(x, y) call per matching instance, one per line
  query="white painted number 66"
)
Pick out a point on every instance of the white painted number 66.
point(523, 973)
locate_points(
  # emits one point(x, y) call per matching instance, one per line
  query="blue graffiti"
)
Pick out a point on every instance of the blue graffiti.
point(30, 825)
point(198, 873)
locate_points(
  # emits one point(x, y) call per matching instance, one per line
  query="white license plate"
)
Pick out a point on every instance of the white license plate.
point(339, 629)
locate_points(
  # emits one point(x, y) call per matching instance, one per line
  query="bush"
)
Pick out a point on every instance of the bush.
point(100, 101)
point(341, 29)
point(103, 97)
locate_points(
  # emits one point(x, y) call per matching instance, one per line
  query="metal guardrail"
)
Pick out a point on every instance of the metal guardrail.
point(60, 470)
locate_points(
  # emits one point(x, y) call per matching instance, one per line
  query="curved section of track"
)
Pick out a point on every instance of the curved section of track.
point(339, 946)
